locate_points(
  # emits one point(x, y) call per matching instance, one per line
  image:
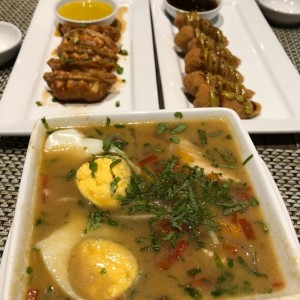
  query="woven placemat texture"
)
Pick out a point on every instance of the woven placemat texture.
point(284, 165)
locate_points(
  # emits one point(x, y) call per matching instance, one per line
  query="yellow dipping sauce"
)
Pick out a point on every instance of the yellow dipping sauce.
point(85, 10)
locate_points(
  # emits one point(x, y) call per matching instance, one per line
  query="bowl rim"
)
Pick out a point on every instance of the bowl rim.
point(204, 14)
point(17, 40)
point(279, 11)
point(60, 3)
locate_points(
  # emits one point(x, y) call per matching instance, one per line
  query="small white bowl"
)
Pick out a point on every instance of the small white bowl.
point(102, 20)
point(285, 12)
point(10, 41)
point(209, 14)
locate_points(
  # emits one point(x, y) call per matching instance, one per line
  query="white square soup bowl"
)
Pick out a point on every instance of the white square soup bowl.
point(286, 244)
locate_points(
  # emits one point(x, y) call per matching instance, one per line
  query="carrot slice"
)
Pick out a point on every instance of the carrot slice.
point(247, 228)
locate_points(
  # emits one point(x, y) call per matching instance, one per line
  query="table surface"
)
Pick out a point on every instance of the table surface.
point(280, 152)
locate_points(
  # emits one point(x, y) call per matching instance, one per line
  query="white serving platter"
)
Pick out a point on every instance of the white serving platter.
point(18, 108)
point(265, 65)
point(286, 245)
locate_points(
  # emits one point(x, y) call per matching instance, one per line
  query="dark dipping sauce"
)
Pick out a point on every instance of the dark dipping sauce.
point(194, 5)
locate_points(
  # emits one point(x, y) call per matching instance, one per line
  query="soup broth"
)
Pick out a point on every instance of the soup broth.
point(188, 218)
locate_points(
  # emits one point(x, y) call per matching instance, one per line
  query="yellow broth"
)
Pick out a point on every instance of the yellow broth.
point(224, 254)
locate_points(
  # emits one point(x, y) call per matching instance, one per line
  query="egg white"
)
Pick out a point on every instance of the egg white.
point(192, 156)
point(62, 253)
point(66, 139)
point(56, 249)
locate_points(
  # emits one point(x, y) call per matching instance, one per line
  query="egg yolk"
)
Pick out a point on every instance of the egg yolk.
point(101, 269)
point(102, 183)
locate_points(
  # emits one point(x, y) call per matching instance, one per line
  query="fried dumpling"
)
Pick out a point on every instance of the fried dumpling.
point(80, 86)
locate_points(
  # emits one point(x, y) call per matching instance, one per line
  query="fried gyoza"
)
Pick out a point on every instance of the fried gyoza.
point(107, 30)
point(80, 86)
point(85, 44)
point(81, 66)
point(83, 72)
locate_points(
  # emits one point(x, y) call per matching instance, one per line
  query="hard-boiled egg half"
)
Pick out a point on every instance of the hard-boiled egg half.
point(102, 182)
point(99, 180)
point(91, 268)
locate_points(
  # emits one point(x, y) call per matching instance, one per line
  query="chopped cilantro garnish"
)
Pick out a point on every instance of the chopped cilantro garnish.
point(108, 122)
point(247, 159)
point(186, 196)
point(262, 225)
point(115, 141)
point(178, 115)
point(178, 128)
point(119, 69)
point(202, 136)
point(161, 128)
point(96, 217)
point(215, 133)
point(114, 163)
point(45, 123)
point(70, 174)
point(194, 271)
point(102, 271)
point(29, 270)
point(93, 166)
point(175, 139)
point(247, 268)
point(38, 103)
point(123, 51)
point(193, 293)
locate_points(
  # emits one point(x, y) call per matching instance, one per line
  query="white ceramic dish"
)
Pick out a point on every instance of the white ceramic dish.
point(276, 216)
point(210, 14)
point(285, 12)
point(10, 41)
point(265, 65)
point(139, 92)
point(103, 21)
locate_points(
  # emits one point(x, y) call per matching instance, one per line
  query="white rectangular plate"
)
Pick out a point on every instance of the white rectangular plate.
point(18, 108)
point(264, 64)
point(286, 245)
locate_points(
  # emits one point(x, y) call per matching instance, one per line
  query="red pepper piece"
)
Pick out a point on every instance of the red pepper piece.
point(231, 250)
point(173, 256)
point(149, 159)
point(247, 228)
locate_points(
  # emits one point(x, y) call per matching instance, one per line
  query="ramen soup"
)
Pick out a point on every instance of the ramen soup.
point(148, 211)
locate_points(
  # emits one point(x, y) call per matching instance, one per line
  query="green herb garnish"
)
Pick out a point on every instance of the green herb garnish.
point(45, 123)
point(247, 159)
point(70, 174)
point(178, 115)
point(161, 128)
